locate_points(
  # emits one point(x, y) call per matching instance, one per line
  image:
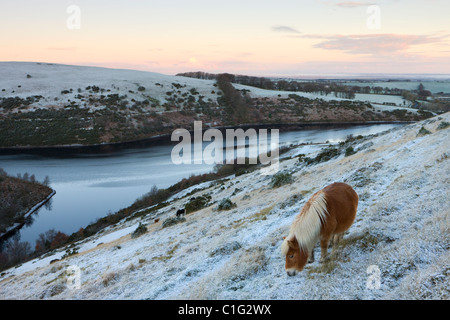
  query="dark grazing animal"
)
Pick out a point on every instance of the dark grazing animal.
point(181, 212)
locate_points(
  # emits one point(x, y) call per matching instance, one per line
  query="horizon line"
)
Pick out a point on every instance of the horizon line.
point(310, 75)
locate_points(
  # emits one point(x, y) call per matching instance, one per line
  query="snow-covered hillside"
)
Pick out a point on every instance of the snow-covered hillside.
point(398, 247)
point(25, 79)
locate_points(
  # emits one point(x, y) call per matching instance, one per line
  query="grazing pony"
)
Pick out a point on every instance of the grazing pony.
point(181, 212)
point(329, 212)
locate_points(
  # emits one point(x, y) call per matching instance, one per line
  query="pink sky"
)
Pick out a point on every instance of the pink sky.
point(286, 37)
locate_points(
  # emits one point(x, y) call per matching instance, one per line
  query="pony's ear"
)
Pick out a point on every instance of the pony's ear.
point(292, 243)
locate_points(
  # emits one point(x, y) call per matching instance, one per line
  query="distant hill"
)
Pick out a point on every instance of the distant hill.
point(44, 104)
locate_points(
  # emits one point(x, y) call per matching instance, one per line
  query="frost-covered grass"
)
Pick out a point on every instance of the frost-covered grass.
point(50, 80)
point(401, 231)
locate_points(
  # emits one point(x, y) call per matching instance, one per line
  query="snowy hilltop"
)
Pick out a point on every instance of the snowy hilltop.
point(398, 247)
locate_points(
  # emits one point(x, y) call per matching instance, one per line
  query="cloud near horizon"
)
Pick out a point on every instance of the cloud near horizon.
point(285, 29)
point(353, 4)
point(373, 44)
point(346, 4)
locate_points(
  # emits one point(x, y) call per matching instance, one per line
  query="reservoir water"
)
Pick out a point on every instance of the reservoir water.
point(91, 186)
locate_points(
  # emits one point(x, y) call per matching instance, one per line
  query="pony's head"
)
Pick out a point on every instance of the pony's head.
point(296, 256)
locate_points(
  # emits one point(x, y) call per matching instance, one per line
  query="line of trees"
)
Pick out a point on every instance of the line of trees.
point(323, 87)
point(236, 105)
point(341, 91)
point(29, 177)
point(260, 82)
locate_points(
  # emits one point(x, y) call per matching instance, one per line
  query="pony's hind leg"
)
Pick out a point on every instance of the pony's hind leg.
point(311, 255)
point(324, 248)
point(336, 239)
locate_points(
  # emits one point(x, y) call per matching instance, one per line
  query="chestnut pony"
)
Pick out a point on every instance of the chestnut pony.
point(329, 213)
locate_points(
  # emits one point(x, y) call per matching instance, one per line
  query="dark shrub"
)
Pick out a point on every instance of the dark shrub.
point(226, 204)
point(172, 221)
point(443, 125)
point(281, 178)
point(197, 203)
point(140, 230)
point(349, 151)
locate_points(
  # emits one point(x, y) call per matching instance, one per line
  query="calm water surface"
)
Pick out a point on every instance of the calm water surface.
point(91, 186)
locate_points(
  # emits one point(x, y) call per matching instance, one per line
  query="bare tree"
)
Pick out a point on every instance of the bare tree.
point(46, 181)
point(17, 251)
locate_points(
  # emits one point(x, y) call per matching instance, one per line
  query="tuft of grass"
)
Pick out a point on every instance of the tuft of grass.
point(262, 215)
point(226, 249)
point(443, 157)
point(57, 289)
point(168, 256)
point(172, 251)
point(291, 201)
point(233, 275)
point(325, 267)
point(109, 278)
point(443, 125)
point(365, 241)
point(423, 132)
point(245, 264)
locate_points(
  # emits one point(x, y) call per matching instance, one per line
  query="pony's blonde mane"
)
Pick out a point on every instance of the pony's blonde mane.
point(307, 224)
